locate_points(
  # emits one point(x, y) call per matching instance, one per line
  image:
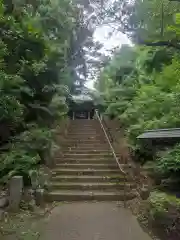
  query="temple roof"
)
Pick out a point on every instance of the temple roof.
point(81, 98)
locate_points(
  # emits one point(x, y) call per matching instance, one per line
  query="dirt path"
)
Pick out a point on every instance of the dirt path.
point(92, 221)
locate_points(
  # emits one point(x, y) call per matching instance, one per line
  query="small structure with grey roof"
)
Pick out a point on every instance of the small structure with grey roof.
point(161, 133)
point(154, 140)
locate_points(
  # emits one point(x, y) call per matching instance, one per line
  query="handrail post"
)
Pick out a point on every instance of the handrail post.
point(114, 154)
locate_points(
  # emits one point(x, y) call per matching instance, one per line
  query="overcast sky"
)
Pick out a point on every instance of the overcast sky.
point(101, 34)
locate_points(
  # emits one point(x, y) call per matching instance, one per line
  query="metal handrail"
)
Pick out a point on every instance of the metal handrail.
point(112, 149)
point(114, 154)
point(108, 131)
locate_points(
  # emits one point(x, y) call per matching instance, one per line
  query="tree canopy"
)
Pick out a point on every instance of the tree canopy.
point(43, 48)
point(140, 83)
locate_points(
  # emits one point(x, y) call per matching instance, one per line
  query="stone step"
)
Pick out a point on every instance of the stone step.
point(85, 145)
point(92, 142)
point(74, 195)
point(86, 139)
point(85, 160)
point(86, 169)
point(86, 166)
point(93, 155)
point(84, 121)
point(88, 142)
point(80, 127)
point(85, 151)
point(91, 172)
point(85, 134)
point(85, 129)
point(86, 178)
point(91, 162)
point(90, 185)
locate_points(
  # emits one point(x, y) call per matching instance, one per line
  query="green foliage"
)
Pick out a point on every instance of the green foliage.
point(36, 44)
point(27, 150)
point(32, 57)
point(148, 95)
point(17, 162)
point(162, 213)
point(34, 139)
point(169, 164)
point(140, 85)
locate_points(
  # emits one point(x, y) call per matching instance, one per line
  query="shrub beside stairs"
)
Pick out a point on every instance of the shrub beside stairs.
point(87, 170)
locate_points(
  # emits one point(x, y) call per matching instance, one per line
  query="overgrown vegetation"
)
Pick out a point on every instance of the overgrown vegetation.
point(168, 165)
point(162, 213)
point(36, 42)
point(140, 84)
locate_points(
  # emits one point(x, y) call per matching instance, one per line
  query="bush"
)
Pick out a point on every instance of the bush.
point(169, 164)
point(163, 214)
point(26, 151)
point(17, 162)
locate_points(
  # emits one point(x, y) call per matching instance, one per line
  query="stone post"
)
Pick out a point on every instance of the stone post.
point(145, 192)
point(39, 197)
point(43, 180)
point(73, 116)
point(34, 179)
point(89, 116)
point(15, 192)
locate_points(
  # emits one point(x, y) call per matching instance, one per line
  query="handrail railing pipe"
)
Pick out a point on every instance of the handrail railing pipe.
point(114, 154)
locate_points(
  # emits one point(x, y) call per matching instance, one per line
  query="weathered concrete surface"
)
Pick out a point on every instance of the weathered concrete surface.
point(15, 192)
point(92, 221)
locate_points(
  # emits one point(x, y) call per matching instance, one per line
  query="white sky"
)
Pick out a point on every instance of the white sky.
point(101, 34)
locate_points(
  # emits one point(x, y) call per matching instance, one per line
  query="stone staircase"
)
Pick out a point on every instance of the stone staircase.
point(87, 170)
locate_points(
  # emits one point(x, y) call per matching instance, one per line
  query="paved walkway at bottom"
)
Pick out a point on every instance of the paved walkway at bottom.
point(92, 221)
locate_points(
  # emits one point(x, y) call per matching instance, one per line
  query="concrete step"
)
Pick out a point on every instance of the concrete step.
point(86, 178)
point(90, 185)
point(91, 172)
point(87, 166)
point(74, 195)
